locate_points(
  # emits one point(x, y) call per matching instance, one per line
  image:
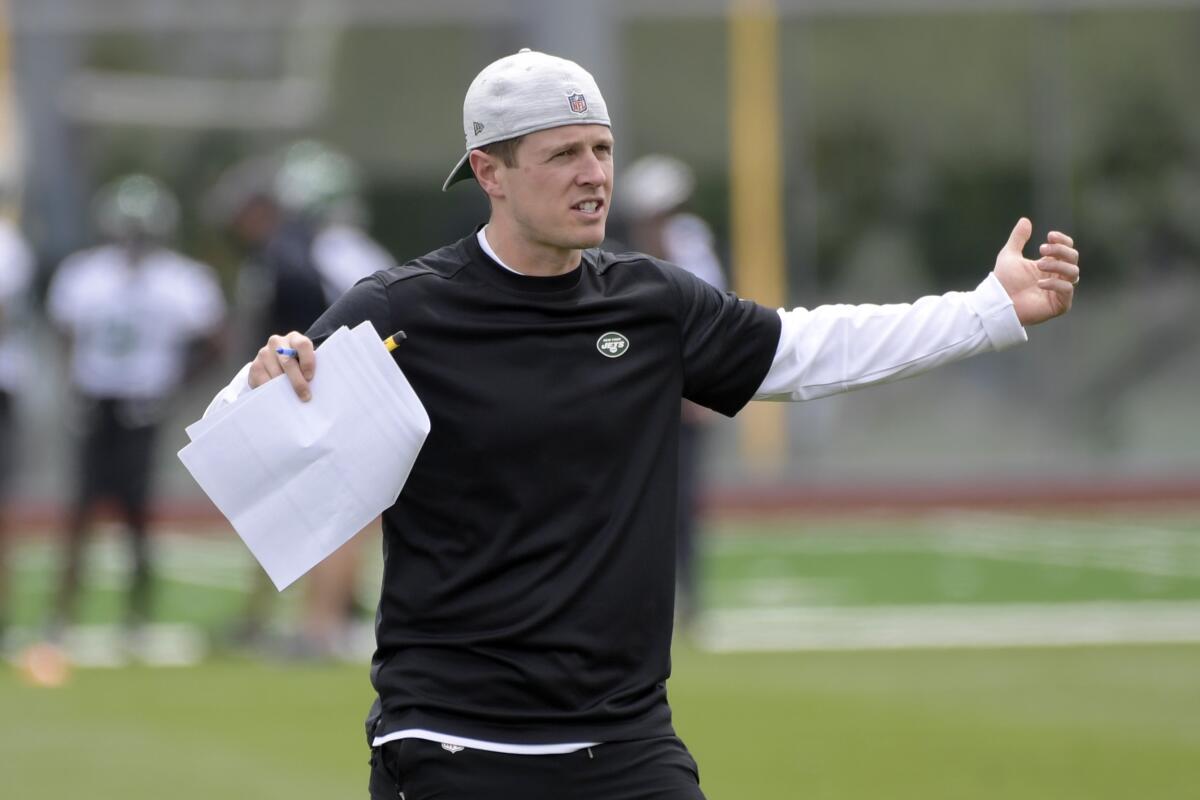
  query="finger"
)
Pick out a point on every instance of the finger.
point(1064, 290)
point(1060, 238)
point(260, 368)
point(271, 355)
point(268, 359)
point(1020, 235)
point(1061, 252)
point(305, 353)
point(279, 364)
point(291, 368)
point(266, 363)
point(1064, 269)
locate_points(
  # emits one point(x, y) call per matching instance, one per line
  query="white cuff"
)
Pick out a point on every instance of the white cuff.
point(995, 310)
point(239, 386)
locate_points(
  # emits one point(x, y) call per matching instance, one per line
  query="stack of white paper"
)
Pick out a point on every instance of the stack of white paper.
point(297, 479)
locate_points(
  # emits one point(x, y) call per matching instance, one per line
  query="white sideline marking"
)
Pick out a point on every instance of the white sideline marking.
point(1141, 549)
point(901, 627)
point(1121, 546)
point(211, 563)
point(156, 644)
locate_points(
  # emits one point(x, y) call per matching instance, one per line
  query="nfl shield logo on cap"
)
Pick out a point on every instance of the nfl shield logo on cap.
point(578, 103)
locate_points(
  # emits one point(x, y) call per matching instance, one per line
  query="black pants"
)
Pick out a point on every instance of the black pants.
point(651, 769)
point(115, 460)
point(7, 445)
point(6, 448)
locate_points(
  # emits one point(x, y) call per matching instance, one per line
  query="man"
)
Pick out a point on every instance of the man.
point(137, 318)
point(319, 189)
point(524, 627)
point(300, 219)
point(16, 276)
point(652, 194)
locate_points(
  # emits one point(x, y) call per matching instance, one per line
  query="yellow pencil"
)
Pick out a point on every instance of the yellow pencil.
point(393, 341)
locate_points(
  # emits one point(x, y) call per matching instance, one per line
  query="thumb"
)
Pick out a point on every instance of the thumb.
point(1019, 236)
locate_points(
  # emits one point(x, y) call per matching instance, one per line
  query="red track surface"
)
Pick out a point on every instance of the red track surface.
point(785, 500)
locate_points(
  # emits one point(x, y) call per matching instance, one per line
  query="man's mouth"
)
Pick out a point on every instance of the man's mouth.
point(588, 206)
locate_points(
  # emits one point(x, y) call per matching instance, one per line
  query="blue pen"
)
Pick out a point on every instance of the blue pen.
point(287, 351)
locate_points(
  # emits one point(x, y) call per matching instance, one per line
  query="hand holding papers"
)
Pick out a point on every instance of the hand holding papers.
point(297, 479)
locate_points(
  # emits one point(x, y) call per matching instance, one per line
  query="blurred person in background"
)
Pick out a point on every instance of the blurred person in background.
point(138, 319)
point(652, 193)
point(524, 627)
point(322, 187)
point(300, 219)
point(319, 190)
point(16, 277)
point(303, 229)
point(242, 205)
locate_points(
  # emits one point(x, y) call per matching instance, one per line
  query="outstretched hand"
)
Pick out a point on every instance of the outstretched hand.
point(1041, 289)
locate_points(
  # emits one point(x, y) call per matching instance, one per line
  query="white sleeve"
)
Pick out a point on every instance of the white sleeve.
point(62, 296)
point(688, 243)
point(207, 305)
point(16, 263)
point(837, 348)
point(343, 256)
point(229, 395)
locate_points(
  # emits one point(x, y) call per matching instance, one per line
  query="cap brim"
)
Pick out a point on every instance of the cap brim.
point(461, 172)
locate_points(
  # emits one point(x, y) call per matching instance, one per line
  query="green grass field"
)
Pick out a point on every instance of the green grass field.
point(842, 659)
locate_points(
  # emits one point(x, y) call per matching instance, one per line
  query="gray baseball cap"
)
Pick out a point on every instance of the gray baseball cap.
point(523, 93)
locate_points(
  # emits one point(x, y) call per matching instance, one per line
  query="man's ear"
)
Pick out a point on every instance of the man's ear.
point(486, 169)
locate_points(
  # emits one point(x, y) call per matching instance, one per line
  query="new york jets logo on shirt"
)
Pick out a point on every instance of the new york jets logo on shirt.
point(612, 344)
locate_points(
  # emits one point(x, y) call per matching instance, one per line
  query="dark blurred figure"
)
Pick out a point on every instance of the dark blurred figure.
point(138, 319)
point(299, 219)
point(652, 193)
point(16, 276)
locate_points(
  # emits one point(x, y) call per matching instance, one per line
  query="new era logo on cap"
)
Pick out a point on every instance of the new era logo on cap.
point(478, 127)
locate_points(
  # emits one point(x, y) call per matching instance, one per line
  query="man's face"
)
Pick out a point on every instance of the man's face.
point(255, 222)
point(559, 190)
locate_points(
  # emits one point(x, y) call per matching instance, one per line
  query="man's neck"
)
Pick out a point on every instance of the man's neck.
point(528, 258)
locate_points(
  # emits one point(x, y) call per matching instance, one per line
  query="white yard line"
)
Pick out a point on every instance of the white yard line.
point(1121, 545)
point(210, 563)
point(949, 626)
point(1145, 550)
point(156, 645)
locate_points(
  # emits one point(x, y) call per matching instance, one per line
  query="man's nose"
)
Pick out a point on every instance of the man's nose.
point(591, 172)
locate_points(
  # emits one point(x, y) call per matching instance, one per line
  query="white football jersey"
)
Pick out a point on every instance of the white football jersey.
point(16, 275)
point(688, 243)
point(130, 323)
point(344, 255)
